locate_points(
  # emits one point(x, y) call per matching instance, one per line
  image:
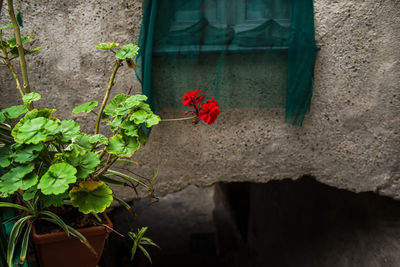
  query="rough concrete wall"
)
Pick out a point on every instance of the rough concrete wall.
point(350, 139)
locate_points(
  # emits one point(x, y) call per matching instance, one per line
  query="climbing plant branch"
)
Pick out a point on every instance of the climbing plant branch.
point(111, 83)
point(19, 46)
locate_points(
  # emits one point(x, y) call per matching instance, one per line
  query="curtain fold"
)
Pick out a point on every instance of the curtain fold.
point(302, 54)
point(257, 56)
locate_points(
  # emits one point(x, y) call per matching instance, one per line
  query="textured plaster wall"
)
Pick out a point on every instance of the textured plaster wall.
point(350, 139)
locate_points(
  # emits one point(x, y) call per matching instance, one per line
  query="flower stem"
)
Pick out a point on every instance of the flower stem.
point(180, 119)
point(107, 95)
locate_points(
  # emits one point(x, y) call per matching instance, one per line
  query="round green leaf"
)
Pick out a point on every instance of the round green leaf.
point(91, 196)
point(53, 200)
point(152, 120)
point(15, 111)
point(57, 179)
point(5, 153)
point(122, 146)
point(18, 177)
point(87, 107)
point(69, 129)
point(84, 164)
point(35, 131)
point(114, 104)
point(31, 97)
point(98, 138)
point(28, 153)
point(127, 51)
point(106, 46)
point(80, 145)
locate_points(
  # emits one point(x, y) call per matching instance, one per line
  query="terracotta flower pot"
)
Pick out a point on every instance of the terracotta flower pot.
point(59, 250)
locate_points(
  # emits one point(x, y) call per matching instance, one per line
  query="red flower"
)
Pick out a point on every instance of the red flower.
point(192, 98)
point(209, 111)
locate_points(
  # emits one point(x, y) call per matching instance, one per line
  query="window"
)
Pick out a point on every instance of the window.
point(232, 25)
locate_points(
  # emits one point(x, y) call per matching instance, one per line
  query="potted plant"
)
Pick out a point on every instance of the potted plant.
point(51, 167)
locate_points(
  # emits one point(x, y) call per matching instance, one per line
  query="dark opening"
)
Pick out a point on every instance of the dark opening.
point(280, 223)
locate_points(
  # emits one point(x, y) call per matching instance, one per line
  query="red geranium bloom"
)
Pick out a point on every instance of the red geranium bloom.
point(209, 111)
point(192, 98)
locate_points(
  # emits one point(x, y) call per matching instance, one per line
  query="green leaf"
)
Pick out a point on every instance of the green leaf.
point(130, 128)
point(31, 97)
point(87, 107)
point(18, 177)
point(152, 120)
point(15, 111)
point(122, 146)
point(136, 99)
point(5, 153)
point(13, 206)
point(110, 109)
point(57, 220)
point(35, 131)
point(35, 113)
point(115, 123)
point(145, 253)
point(20, 18)
point(69, 129)
point(57, 179)
point(8, 26)
point(127, 51)
point(15, 232)
point(91, 196)
point(53, 200)
point(106, 46)
point(98, 138)
point(80, 145)
point(25, 242)
point(12, 42)
point(2, 117)
point(15, 53)
point(84, 164)
point(27, 153)
point(30, 193)
point(139, 116)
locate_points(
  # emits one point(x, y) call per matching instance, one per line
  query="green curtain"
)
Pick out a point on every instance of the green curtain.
point(247, 53)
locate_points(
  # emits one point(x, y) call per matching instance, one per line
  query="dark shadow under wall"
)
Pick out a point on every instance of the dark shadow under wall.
point(280, 223)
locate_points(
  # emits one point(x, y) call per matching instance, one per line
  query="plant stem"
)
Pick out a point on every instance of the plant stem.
point(180, 119)
point(107, 95)
point(10, 67)
point(20, 48)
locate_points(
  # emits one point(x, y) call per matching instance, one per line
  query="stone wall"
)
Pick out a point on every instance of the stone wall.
point(350, 139)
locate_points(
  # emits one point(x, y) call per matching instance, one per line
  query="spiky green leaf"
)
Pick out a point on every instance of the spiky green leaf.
point(57, 179)
point(91, 196)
